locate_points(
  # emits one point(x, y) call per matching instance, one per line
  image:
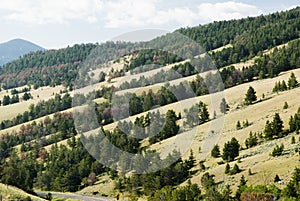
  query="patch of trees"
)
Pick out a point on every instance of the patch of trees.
point(283, 59)
point(36, 135)
point(177, 71)
point(236, 169)
point(149, 183)
point(240, 32)
point(294, 122)
point(278, 150)
point(43, 108)
point(282, 86)
point(196, 115)
point(242, 125)
point(10, 100)
point(151, 56)
point(15, 91)
point(231, 150)
point(252, 140)
point(274, 128)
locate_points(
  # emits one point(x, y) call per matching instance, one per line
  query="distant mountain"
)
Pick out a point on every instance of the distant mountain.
point(13, 49)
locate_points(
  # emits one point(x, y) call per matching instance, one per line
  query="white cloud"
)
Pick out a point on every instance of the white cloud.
point(125, 13)
point(52, 11)
point(120, 13)
point(225, 11)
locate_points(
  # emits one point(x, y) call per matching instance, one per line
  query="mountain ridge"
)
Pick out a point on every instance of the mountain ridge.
point(15, 48)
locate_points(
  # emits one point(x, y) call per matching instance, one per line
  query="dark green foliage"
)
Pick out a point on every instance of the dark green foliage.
point(292, 189)
point(238, 125)
point(43, 108)
point(215, 152)
point(277, 151)
point(273, 128)
point(251, 141)
point(280, 86)
point(26, 96)
point(277, 179)
point(293, 141)
point(196, 115)
point(149, 183)
point(61, 67)
point(292, 82)
point(149, 56)
point(231, 150)
point(227, 169)
point(190, 192)
point(207, 181)
point(250, 96)
point(294, 122)
point(240, 34)
point(235, 170)
point(199, 86)
point(20, 173)
point(285, 106)
point(241, 187)
point(170, 127)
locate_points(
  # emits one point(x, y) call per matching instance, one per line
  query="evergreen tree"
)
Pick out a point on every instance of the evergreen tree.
point(277, 124)
point(231, 150)
point(250, 96)
point(238, 125)
point(251, 141)
point(215, 152)
point(227, 169)
point(292, 82)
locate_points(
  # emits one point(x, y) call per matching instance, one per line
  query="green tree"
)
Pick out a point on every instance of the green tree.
point(231, 150)
point(207, 180)
point(277, 151)
point(235, 169)
point(238, 125)
point(215, 152)
point(292, 82)
point(251, 141)
point(285, 106)
point(250, 96)
point(277, 124)
point(227, 169)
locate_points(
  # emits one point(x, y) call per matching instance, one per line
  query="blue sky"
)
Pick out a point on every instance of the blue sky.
point(58, 23)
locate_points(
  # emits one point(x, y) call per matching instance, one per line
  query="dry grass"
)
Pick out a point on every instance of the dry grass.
point(13, 193)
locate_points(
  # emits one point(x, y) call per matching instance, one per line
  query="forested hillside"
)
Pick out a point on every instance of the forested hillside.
point(62, 143)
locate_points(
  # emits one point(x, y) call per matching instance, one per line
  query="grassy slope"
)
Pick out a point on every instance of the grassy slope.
point(13, 193)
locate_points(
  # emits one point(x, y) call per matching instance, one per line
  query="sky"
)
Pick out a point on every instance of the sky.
point(55, 24)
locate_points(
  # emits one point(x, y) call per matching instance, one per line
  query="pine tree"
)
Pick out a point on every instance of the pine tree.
point(250, 96)
point(292, 82)
point(238, 125)
point(231, 150)
point(277, 124)
point(235, 169)
point(215, 152)
point(227, 169)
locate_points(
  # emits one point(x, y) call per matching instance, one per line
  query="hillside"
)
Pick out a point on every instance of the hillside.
point(142, 122)
point(16, 48)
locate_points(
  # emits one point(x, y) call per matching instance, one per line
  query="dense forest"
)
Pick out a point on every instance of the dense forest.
point(247, 36)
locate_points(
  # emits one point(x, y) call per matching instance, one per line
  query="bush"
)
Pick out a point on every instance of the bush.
point(277, 151)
